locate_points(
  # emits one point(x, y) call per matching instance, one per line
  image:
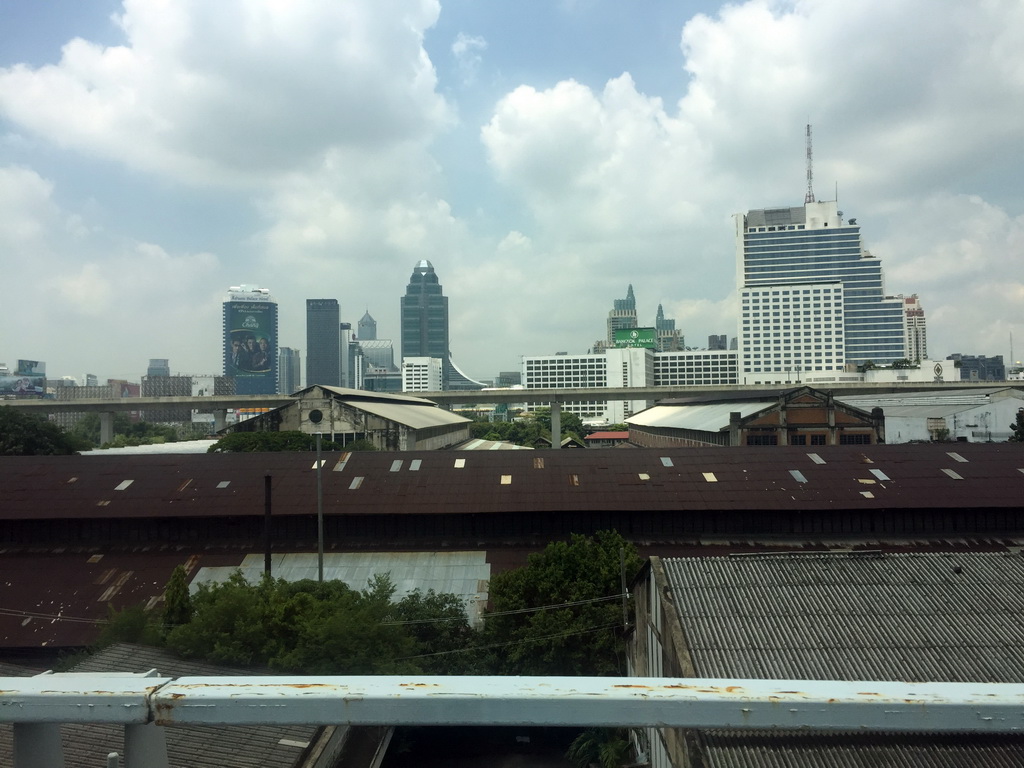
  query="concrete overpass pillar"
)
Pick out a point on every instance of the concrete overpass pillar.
point(106, 427)
point(556, 425)
point(220, 419)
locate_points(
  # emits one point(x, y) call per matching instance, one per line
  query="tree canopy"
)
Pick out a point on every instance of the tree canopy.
point(325, 627)
point(580, 630)
point(126, 432)
point(25, 434)
point(261, 442)
point(1017, 428)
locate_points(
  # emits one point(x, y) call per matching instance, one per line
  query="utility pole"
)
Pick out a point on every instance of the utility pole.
point(319, 512)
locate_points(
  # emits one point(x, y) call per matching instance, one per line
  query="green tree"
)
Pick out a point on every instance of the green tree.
point(1017, 428)
point(25, 434)
point(438, 623)
point(262, 442)
point(605, 747)
point(359, 445)
point(569, 422)
point(177, 600)
point(133, 624)
point(562, 613)
point(125, 431)
point(311, 627)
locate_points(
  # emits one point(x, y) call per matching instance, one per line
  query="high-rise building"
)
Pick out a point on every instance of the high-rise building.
point(351, 358)
point(250, 340)
point(622, 315)
point(323, 343)
point(367, 328)
point(424, 311)
point(669, 337)
point(159, 367)
point(289, 370)
point(916, 329)
point(812, 298)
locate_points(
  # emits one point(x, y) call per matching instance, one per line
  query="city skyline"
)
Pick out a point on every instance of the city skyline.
point(542, 157)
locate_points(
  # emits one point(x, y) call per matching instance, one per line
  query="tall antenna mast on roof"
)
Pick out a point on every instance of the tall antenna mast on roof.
point(809, 197)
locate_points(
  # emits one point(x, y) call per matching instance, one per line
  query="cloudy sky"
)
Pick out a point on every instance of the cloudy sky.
point(543, 154)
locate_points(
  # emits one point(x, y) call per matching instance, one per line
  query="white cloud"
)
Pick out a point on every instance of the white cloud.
point(466, 49)
point(87, 300)
point(237, 91)
point(906, 98)
point(962, 256)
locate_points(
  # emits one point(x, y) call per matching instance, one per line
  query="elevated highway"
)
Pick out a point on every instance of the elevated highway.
point(219, 404)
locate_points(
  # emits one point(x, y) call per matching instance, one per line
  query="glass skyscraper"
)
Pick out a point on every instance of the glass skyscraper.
point(820, 299)
point(424, 313)
point(323, 343)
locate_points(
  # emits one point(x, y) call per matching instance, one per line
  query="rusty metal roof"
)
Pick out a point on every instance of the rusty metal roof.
point(911, 476)
point(58, 599)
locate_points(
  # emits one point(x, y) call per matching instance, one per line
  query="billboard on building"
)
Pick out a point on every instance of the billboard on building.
point(250, 345)
point(28, 380)
point(646, 338)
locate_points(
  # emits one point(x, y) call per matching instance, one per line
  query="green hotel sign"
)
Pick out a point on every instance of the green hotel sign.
point(636, 337)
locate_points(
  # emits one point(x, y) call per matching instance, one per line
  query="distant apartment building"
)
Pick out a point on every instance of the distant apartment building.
point(916, 329)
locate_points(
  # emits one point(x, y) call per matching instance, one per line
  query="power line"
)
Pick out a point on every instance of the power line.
point(588, 631)
point(512, 612)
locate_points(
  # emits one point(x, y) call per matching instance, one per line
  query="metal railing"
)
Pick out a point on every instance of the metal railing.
point(145, 703)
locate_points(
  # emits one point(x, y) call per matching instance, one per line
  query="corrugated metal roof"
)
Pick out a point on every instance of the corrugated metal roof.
point(490, 445)
point(943, 397)
point(858, 616)
point(55, 600)
point(411, 415)
point(748, 478)
point(87, 746)
point(713, 417)
point(949, 617)
point(790, 749)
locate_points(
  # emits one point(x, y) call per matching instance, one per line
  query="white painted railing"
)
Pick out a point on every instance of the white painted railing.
point(144, 703)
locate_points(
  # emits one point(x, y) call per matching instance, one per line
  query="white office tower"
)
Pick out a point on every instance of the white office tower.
point(811, 297)
point(422, 374)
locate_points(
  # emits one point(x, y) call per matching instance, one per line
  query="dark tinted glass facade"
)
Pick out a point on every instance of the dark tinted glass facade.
point(323, 343)
point(424, 311)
